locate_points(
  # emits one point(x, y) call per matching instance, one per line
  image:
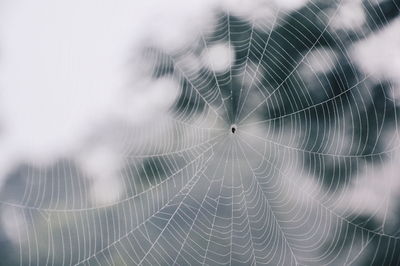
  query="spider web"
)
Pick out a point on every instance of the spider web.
point(273, 192)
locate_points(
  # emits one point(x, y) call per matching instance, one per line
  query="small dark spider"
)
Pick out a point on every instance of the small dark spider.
point(233, 129)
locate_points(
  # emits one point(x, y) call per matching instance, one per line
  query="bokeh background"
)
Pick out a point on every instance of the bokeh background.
point(115, 138)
